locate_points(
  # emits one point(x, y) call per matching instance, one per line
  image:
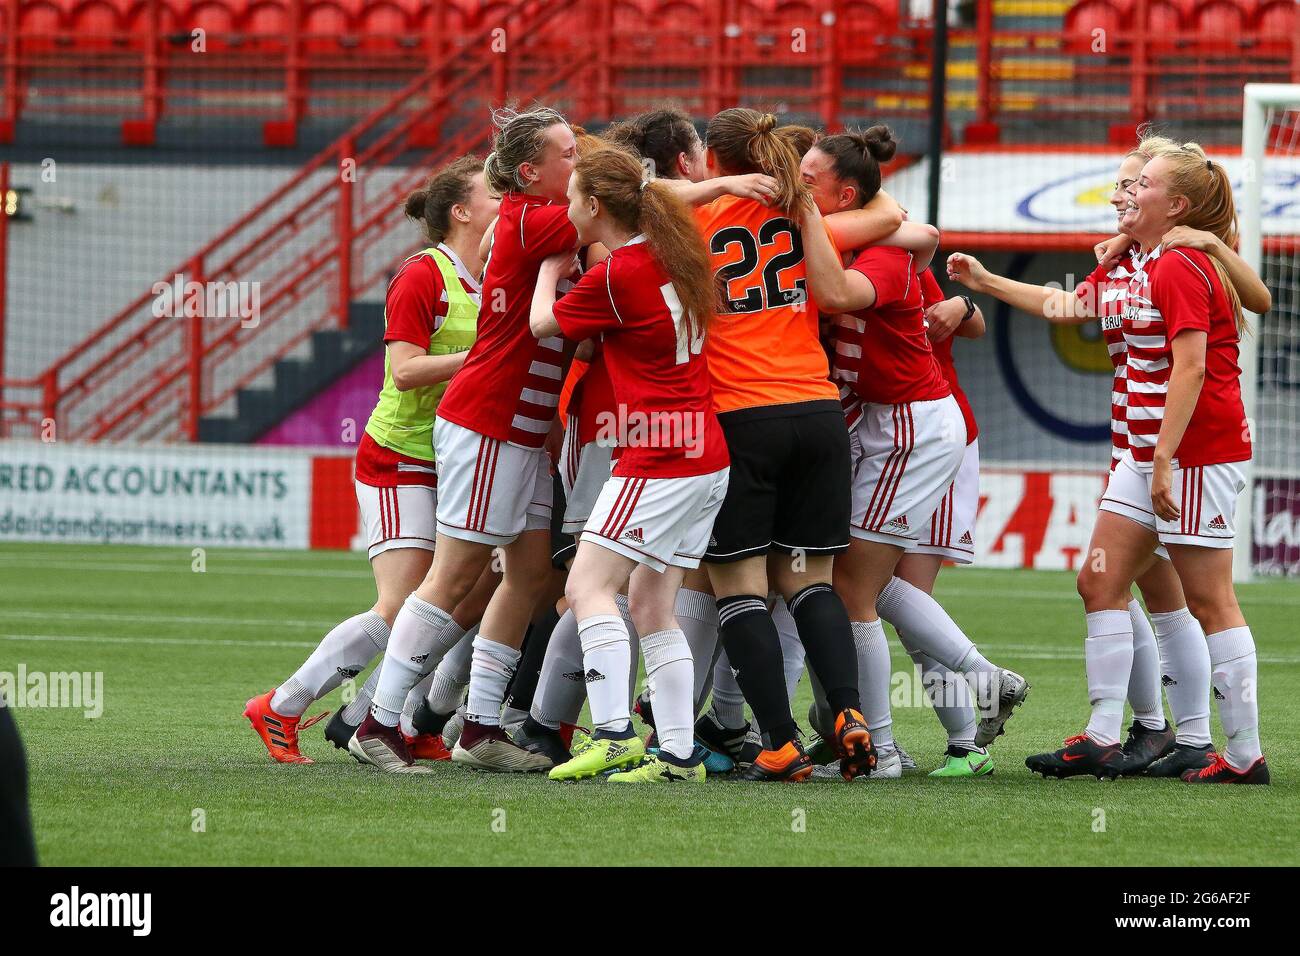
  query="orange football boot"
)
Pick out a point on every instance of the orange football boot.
point(427, 747)
point(853, 744)
point(790, 763)
point(278, 732)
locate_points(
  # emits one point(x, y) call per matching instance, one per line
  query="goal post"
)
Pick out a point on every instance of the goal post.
point(1270, 152)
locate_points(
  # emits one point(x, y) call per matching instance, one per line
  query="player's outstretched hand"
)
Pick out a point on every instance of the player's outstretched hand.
point(967, 270)
point(1162, 491)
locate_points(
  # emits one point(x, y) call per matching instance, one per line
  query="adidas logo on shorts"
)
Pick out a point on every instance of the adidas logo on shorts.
point(965, 538)
point(634, 535)
point(1218, 524)
point(900, 523)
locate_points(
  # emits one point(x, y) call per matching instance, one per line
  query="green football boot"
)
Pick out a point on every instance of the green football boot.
point(965, 763)
point(596, 755)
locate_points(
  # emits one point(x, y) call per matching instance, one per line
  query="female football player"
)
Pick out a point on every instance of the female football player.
point(909, 440)
point(1178, 481)
point(649, 302)
point(1176, 649)
point(430, 313)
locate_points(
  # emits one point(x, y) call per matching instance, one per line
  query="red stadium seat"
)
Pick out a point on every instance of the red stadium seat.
point(96, 25)
point(218, 19)
point(385, 26)
point(40, 24)
point(1165, 17)
point(1277, 21)
point(1085, 18)
point(1217, 21)
point(137, 18)
point(266, 25)
point(325, 24)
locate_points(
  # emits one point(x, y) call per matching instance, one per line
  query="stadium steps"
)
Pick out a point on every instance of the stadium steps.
point(333, 353)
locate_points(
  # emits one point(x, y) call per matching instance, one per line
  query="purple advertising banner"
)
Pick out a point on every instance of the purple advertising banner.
point(1277, 526)
point(337, 416)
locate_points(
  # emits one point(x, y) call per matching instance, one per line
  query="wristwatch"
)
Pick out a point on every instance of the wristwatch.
point(970, 307)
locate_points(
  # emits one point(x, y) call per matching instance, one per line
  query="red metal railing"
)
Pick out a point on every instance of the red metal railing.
point(149, 376)
point(280, 71)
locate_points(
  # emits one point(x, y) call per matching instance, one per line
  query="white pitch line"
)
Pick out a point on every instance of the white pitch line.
point(167, 619)
point(185, 642)
point(182, 566)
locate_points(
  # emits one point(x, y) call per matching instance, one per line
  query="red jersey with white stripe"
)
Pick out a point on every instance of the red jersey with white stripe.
point(1108, 290)
point(932, 294)
point(1174, 291)
point(666, 425)
point(509, 386)
point(882, 352)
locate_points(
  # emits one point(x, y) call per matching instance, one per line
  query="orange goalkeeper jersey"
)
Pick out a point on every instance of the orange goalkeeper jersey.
point(763, 347)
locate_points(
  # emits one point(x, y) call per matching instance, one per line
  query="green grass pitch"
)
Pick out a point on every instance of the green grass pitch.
point(180, 652)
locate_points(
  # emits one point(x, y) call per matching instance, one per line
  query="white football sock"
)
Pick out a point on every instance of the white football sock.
point(489, 673)
point(1185, 670)
point(873, 681)
point(928, 627)
point(1108, 657)
point(1144, 678)
point(792, 652)
point(342, 653)
point(422, 634)
point(447, 688)
point(605, 652)
point(427, 676)
point(950, 696)
point(633, 644)
point(1232, 654)
point(728, 701)
point(356, 711)
point(697, 616)
point(670, 675)
point(560, 686)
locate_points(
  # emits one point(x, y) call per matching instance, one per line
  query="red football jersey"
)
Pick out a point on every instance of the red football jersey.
point(664, 421)
point(1107, 290)
point(592, 395)
point(509, 386)
point(883, 352)
point(1175, 291)
point(932, 294)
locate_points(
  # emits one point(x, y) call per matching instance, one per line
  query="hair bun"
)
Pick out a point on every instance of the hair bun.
point(766, 123)
point(880, 142)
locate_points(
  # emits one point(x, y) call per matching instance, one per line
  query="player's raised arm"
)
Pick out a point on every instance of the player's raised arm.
point(1054, 305)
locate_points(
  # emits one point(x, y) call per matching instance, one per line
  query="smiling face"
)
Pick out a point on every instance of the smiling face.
point(829, 192)
point(549, 175)
point(583, 211)
point(1126, 177)
point(1152, 210)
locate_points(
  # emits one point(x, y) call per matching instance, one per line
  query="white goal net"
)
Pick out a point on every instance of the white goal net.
point(1269, 542)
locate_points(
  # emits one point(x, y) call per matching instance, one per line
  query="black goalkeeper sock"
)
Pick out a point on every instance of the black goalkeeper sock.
point(524, 684)
point(827, 638)
point(749, 637)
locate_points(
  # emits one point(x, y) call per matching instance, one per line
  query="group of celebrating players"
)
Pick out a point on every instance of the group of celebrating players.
point(698, 396)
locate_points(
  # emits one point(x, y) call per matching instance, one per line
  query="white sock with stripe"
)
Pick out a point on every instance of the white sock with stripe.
point(490, 671)
point(670, 676)
point(1108, 657)
point(1144, 678)
point(422, 634)
point(606, 653)
point(950, 696)
point(697, 615)
point(447, 688)
point(425, 688)
point(343, 653)
point(929, 629)
point(1232, 654)
point(560, 686)
point(1185, 674)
